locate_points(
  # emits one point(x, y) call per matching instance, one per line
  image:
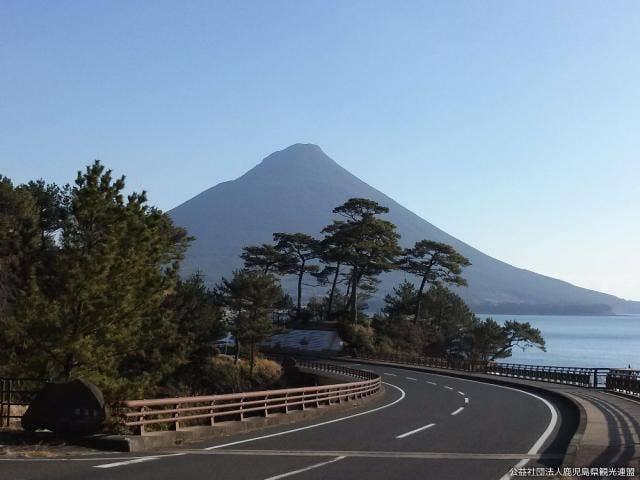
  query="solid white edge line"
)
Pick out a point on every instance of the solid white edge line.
point(305, 469)
point(415, 431)
point(457, 411)
point(137, 460)
point(307, 427)
point(543, 438)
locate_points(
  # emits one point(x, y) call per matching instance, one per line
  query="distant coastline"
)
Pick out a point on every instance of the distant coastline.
point(543, 309)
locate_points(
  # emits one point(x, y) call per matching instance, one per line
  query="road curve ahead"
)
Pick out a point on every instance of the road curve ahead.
point(426, 426)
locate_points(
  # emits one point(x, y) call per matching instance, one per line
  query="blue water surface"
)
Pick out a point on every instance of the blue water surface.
point(581, 341)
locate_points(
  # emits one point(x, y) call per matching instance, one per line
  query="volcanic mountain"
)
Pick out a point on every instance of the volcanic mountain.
point(295, 190)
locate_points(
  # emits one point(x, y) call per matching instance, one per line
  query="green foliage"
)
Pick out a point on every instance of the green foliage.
point(402, 302)
point(298, 249)
point(198, 321)
point(251, 298)
point(369, 245)
point(19, 246)
point(434, 263)
point(92, 299)
point(265, 258)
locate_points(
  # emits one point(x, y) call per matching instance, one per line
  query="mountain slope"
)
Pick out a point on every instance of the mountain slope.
point(294, 190)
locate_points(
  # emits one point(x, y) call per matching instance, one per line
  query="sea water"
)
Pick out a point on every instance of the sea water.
point(581, 341)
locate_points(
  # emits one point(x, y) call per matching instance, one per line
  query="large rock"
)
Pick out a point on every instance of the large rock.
point(71, 407)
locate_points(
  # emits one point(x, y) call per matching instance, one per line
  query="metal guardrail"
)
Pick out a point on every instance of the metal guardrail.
point(619, 380)
point(175, 412)
point(624, 381)
point(16, 394)
point(582, 377)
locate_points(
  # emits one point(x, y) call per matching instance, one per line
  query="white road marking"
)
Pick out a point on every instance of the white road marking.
point(411, 378)
point(299, 429)
point(457, 411)
point(466, 400)
point(415, 431)
point(520, 464)
point(545, 435)
point(305, 469)
point(431, 383)
point(390, 374)
point(448, 387)
point(137, 460)
point(461, 393)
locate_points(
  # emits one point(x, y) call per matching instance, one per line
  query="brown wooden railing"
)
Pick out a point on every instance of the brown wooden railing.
point(175, 413)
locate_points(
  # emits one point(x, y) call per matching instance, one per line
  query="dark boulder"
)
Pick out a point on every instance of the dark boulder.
point(71, 407)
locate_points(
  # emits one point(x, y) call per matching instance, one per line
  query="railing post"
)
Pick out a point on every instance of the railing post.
point(9, 391)
point(241, 409)
point(176, 416)
point(212, 411)
point(286, 402)
point(266, 406)
point(141, 418)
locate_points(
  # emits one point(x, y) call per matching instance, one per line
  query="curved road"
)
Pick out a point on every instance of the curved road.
point(426, 426)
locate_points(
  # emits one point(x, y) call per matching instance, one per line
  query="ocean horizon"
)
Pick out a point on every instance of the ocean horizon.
point(608, 341)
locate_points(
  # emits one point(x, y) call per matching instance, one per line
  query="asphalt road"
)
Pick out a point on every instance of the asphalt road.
point(426, 426)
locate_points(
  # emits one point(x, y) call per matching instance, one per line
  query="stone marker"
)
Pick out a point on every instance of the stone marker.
point(71, 407)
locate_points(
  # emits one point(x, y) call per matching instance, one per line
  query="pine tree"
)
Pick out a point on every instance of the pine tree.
point(369, 244)
point(251, 298)
point(434, 263)
point(299, 249)
point(103, 317)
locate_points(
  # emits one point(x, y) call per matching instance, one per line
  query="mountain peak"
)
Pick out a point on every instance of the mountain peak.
point(298, 153)
point(296, 189)
point(301, 159)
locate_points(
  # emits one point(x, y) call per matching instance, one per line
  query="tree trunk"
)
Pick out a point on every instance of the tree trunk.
point(333, 290)
point(252, 360)
point(354, 297)
point(419, 301)
point(237, 356)
point(300, 274)
point(68, 366)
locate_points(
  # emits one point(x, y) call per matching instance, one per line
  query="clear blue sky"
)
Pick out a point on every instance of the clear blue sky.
point(513, 125)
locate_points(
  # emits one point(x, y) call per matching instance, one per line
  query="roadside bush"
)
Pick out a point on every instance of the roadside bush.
point(267, 374)
point(223, 375)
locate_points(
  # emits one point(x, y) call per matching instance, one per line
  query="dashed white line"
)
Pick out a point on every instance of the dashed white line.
point(457, 411)
point(415, 431)
point(431, 383)
point(411, 378)
point(461, 393)
point(390, 374)
point(306, 469)
point(448, 387)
